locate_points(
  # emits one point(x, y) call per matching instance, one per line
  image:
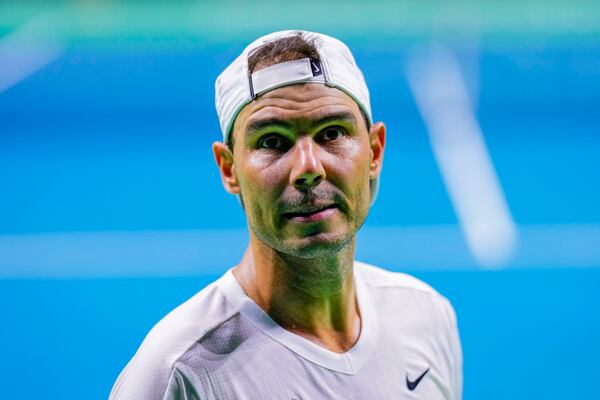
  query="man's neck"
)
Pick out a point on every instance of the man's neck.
point(313, 298)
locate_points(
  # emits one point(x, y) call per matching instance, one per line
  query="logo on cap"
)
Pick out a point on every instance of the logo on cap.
point(315, 66)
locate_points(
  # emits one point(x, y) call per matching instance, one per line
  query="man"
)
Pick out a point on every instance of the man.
point(298, 318)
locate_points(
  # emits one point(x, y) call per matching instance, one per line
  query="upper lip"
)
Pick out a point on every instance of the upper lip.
point(308, 209)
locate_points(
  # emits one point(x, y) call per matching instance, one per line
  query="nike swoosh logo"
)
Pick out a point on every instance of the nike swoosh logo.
point(317, 70)
point(413, 384)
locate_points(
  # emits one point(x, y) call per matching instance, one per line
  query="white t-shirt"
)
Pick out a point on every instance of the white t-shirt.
point(220, 345)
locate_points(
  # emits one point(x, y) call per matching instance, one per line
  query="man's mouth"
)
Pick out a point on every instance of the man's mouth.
point(311, 214)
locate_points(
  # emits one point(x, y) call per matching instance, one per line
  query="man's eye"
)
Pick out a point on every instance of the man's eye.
point(271, 142)
point(332, 133)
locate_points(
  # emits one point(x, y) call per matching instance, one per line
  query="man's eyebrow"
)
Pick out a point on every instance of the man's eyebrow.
point(344, 116)
point(259, 124)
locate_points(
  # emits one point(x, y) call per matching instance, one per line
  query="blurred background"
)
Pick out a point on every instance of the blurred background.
point(112, 210)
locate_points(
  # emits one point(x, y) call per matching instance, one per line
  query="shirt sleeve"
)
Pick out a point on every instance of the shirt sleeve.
point(146, 377)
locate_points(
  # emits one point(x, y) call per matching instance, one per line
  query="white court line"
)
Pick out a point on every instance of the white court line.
point(120, 253)
point(27, 50)
point(209, 252)
point(457, 142)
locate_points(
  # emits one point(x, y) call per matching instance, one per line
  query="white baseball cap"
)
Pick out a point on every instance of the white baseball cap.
point(236, 86)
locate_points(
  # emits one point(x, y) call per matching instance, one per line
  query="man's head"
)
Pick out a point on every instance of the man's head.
point(299, 147)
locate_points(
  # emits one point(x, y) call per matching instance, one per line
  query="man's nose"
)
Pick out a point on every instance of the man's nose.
point(307, 170)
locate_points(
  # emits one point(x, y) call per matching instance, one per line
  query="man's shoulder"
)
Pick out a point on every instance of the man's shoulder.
point(147, 374)
point(377, 277)
point(404, 285)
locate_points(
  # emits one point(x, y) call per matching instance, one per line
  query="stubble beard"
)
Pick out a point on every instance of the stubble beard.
point(268, 228)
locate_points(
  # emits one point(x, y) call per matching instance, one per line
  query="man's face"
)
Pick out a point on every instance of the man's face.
point(302, 159)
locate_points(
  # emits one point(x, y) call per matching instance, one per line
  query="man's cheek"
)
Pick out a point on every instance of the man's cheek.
point(270, 179)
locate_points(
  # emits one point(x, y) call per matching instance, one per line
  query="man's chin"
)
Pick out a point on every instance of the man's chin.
point(322, 244)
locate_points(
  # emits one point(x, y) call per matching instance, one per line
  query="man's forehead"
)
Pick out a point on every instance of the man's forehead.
point(309, 101)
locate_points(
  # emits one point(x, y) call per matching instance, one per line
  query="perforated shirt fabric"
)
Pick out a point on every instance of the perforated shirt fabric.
point(220, 345)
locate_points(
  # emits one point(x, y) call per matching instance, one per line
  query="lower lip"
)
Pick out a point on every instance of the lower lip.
point(321, 215)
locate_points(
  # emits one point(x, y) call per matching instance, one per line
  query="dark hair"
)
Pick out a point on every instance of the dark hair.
point(299, 45)
point(295, 47)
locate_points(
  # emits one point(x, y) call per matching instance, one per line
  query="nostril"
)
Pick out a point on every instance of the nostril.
point(301, 182)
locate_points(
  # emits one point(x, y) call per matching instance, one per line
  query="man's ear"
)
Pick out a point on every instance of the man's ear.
point(377, 144)
point(224, 159)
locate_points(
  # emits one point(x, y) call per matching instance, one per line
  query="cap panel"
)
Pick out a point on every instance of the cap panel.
point(344, 73)
point(232, 92)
